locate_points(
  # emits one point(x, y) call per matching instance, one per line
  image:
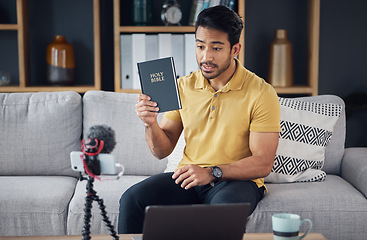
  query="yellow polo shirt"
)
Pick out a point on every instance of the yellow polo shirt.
point(217, 123)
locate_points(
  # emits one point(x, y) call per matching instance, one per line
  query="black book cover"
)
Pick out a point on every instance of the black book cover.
point(158, 81)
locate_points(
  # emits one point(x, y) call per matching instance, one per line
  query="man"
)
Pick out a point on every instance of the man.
point(231, 123)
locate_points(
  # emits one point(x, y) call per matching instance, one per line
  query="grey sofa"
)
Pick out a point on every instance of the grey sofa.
point(41, 195)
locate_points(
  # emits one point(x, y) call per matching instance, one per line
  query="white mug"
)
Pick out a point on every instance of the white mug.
point(286, 226)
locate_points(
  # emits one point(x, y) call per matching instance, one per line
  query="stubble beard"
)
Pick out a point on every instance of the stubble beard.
point(219, 70)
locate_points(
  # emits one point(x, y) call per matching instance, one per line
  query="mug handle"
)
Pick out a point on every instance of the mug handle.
point(309, 229)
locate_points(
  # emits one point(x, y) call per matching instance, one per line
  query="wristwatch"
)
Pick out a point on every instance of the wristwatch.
point(171, 13)
point(217, 174)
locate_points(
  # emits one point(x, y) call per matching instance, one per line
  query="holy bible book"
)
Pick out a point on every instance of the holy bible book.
point(158, 81)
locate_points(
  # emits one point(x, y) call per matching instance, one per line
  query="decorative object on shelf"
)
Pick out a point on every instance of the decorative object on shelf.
point(171, 14)
point(4, 78)
point(280, 72)
point(60, 62)
point(141, 12)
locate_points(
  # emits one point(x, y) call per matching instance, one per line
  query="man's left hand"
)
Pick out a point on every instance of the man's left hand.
point(192, 175)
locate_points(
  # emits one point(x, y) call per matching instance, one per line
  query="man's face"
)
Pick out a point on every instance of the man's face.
point(213, 52)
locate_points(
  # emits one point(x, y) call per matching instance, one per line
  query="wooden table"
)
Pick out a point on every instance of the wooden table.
point(247, 236)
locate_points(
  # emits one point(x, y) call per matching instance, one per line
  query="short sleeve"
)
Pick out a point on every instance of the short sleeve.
point(173, 115)
point(266, 112)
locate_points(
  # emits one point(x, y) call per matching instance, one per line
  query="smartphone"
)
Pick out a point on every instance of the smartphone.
point(106, 161)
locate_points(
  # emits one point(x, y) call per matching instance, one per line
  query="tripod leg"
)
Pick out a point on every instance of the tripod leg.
point(87, 210)
point(87, 217)
point(92, 195)
point(108, 223)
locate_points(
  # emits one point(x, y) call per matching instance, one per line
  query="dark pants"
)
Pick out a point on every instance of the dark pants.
point(161, 189)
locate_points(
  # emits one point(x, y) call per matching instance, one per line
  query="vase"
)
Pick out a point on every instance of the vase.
point(141, 12)
point(60, 62)
point(280, 72)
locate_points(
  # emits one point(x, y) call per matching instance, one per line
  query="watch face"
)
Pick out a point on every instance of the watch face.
point(173, 15)
point(217, 172)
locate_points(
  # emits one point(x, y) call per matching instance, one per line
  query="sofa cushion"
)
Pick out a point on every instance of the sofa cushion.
point(38, 132)
point(354, 168)
point(117, 110)
point(306, 130)
point(34, 205)
point(335, 207)
point(110, 191)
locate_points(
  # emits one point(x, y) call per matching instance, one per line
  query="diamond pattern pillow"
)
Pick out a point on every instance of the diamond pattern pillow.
point(306, 130)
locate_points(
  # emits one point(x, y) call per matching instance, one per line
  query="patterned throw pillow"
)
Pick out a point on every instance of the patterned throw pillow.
point(306, 130)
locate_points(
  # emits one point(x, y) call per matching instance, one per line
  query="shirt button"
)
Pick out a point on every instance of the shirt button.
point(213, 108)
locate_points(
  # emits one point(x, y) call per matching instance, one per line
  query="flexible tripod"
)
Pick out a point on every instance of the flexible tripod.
point(92, 196)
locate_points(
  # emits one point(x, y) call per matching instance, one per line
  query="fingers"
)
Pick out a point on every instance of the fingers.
point(191, 175)
point(146, 110)
point(189, 183)
point(144, 104)
point(178, 172)
point(143, 97)
point(181, 174)
point(187, 179)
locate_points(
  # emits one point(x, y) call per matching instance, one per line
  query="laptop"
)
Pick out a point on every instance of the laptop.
point(195, 222)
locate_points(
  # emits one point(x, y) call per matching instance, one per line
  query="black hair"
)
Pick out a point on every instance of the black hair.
point(223, 19)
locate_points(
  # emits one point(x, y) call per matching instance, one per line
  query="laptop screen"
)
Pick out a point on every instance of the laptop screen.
point(196, 222)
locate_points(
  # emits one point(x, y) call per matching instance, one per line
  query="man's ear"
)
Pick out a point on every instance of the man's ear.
point(236, 49)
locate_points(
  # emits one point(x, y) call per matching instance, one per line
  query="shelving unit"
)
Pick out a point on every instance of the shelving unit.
point(9, 27)
point(313, 46)
point(23, 50)
point(313, 23)
point(20, 27)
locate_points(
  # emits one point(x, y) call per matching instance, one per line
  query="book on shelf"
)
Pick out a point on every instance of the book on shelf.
point(214, 3)
point(178, 53)
point(158, 81)
point(151, 46)
point(164, 45)
point(206, 4)
point(126, 63)
point(138, 55)
point(199, 5)
point(190, 55)
point(228, 3)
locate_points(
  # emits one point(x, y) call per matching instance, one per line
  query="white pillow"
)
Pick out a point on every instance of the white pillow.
point(176, 156)
point(306, 130)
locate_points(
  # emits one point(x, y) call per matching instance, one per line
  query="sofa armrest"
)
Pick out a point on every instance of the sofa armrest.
point(354, 168)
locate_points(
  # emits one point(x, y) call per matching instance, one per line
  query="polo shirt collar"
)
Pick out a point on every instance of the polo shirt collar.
point(234, 84)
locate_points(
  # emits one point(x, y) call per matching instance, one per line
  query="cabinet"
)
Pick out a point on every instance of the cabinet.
point(313, 23)
point(22, 29)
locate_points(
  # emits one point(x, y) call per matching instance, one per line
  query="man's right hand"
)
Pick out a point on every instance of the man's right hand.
point(146, 109)
point(162, 137)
